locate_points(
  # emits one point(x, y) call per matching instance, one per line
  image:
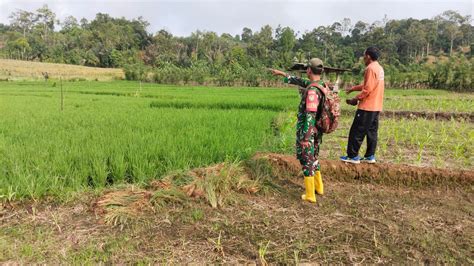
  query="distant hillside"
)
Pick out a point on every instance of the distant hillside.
point(15, 69)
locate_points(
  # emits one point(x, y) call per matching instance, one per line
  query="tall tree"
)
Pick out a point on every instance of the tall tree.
point(285, 41)
point(45, 21)
point(23, 21)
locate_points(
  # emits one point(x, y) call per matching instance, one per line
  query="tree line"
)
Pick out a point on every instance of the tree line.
point(434, 52)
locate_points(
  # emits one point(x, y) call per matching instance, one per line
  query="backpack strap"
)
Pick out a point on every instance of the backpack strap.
point(323, 91)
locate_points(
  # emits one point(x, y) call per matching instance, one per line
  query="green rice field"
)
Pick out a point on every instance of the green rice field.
point(117, 132)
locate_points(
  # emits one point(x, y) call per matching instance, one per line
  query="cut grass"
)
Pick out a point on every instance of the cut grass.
point(219, 185)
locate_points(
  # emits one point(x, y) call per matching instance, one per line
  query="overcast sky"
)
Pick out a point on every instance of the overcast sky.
point(182, 17)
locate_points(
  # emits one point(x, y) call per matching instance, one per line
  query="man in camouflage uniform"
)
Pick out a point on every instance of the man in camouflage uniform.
point(308, 137)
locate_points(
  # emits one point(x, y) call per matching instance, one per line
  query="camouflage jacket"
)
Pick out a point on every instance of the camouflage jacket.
point(310, 98)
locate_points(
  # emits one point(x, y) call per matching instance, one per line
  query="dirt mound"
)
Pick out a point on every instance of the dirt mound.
point(445, 116)
point(382, 173)
point(430, 115)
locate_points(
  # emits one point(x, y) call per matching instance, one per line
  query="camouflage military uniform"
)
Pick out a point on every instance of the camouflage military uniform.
point(306, 129)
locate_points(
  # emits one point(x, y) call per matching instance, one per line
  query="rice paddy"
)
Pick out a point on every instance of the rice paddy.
point(117, 132)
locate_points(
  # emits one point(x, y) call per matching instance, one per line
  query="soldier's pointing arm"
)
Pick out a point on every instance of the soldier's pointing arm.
point(289, 79)
point(294, 80)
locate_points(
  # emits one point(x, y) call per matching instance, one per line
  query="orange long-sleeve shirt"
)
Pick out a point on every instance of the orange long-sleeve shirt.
point(371, 96)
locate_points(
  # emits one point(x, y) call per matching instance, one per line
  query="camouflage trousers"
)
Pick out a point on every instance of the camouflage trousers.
point(308, 156)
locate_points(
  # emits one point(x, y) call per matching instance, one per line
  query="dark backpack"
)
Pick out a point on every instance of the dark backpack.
point(329, 109)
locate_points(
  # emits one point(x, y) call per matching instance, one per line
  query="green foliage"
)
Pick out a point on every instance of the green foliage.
point(225, 77)
point(135, 71)
point(454, 74)
point(204, 57)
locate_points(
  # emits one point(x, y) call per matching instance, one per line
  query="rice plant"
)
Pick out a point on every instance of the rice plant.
point(106, 135)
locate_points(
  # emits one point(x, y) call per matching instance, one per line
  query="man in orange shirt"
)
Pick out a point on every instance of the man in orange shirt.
point(370, 103)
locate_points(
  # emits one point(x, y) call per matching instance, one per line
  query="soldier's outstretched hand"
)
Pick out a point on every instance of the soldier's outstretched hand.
point(277, 72)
